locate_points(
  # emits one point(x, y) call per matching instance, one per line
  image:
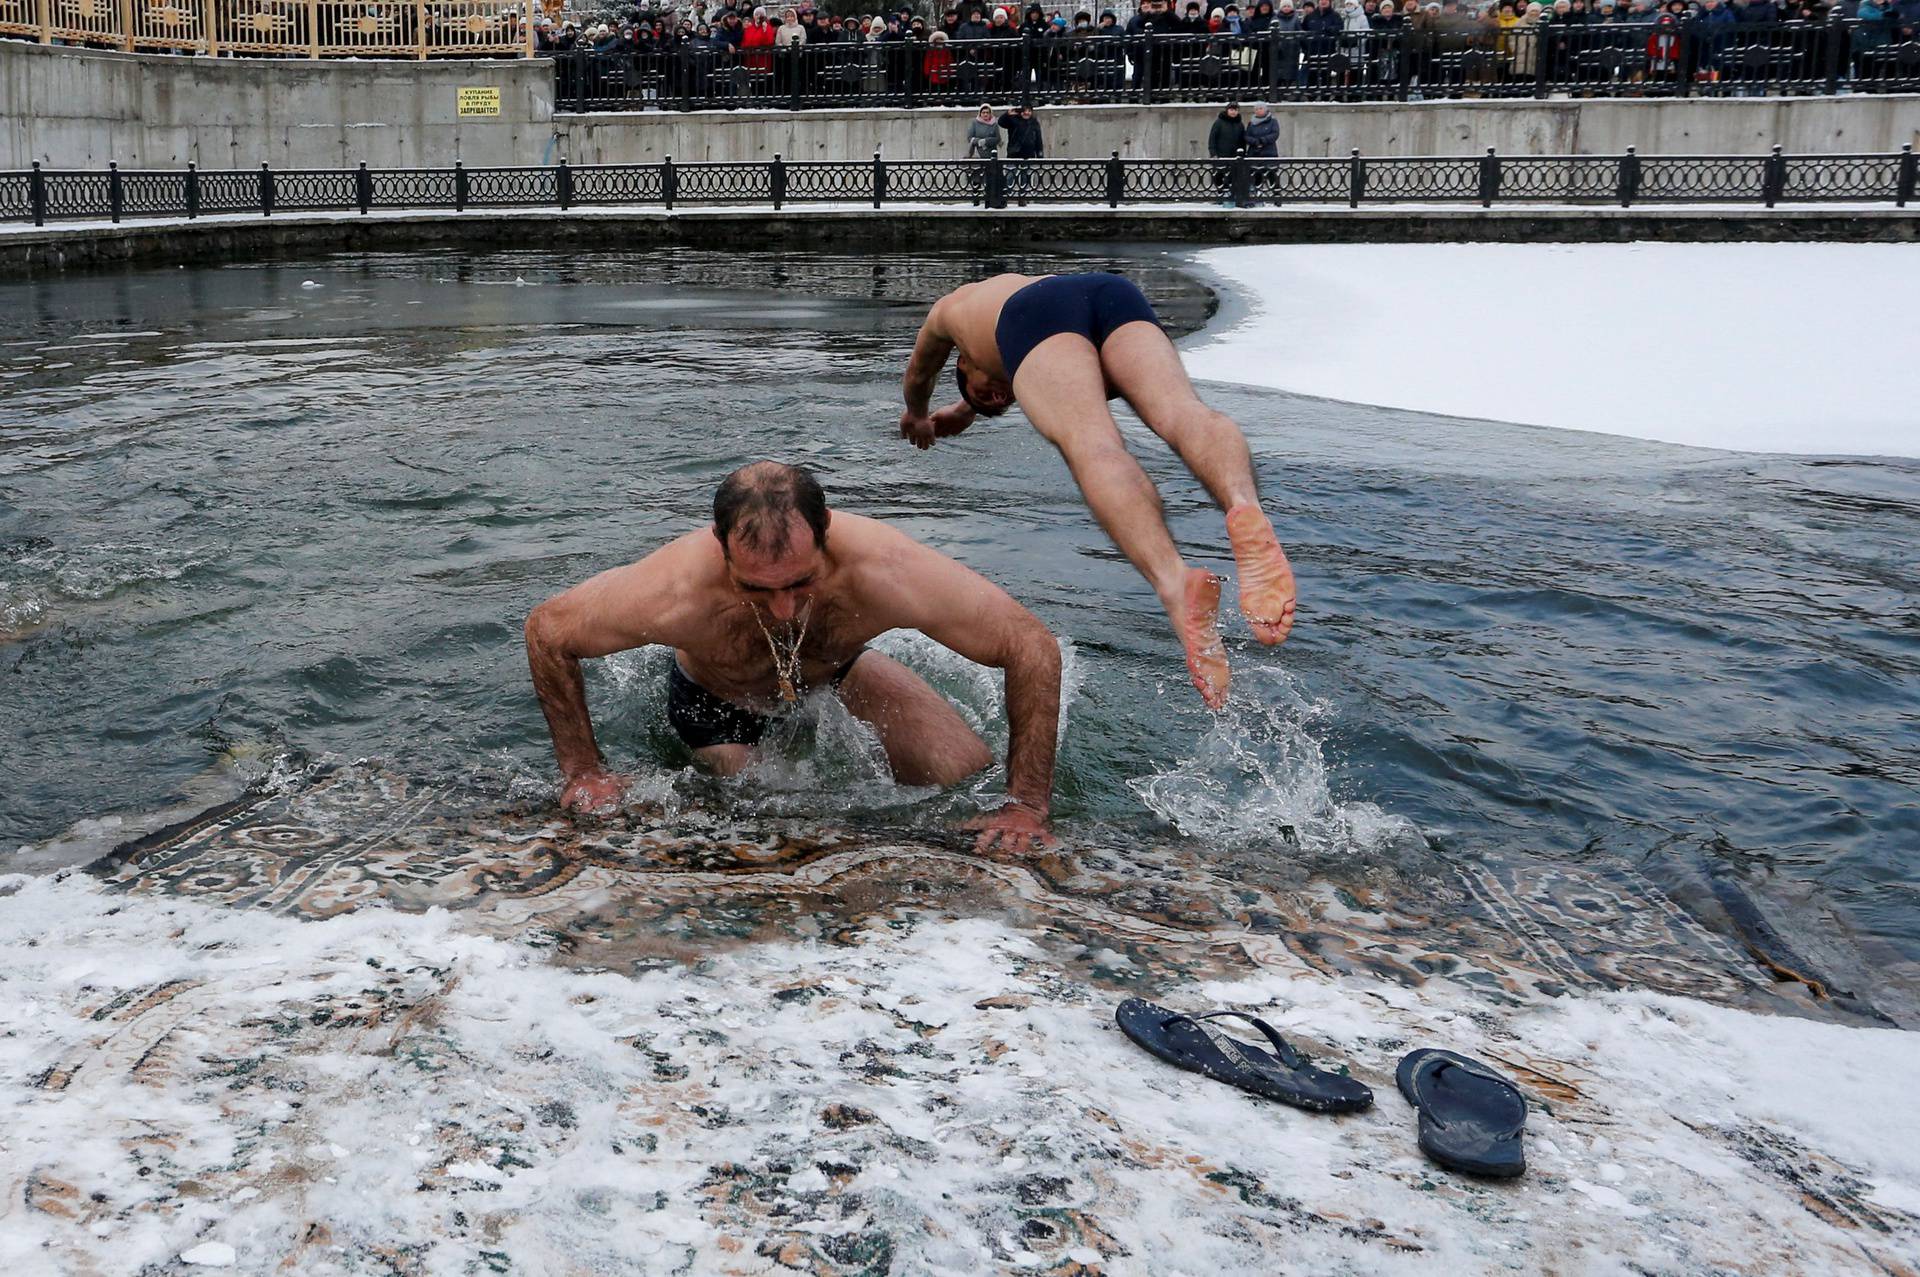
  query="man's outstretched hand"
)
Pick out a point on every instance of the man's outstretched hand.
point(943, 423)
point(1015, 828)
point(593, 793)
point(917, 429)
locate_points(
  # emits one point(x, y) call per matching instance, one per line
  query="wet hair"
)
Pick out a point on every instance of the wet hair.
point(960, 378)
point(757, 502)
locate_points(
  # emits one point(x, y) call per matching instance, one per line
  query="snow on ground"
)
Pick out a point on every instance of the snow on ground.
point(1802, 348)
point(387, 1092)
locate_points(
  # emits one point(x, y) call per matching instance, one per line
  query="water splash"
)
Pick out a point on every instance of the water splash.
point(819, 760)
point(1258, 771)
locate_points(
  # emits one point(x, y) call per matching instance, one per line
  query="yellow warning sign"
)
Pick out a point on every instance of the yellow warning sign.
point(477, 101)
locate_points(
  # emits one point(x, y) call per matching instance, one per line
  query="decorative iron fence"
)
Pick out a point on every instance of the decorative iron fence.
point(281, 28)
point(38, 195)
point(1599, 60)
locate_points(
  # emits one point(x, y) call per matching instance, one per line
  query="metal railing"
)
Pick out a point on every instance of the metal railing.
point(39, 195)
point(1611, 59)
point(281, 28)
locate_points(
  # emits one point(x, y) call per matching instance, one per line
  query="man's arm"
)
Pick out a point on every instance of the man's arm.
point(962, 610)
point(931, 349)
point(614, 611)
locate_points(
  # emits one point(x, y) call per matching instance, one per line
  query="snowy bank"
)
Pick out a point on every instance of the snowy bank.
point(390, 1090)
point(1797, 348)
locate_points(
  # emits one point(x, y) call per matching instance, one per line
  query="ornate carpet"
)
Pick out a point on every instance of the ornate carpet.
point(672, 1043)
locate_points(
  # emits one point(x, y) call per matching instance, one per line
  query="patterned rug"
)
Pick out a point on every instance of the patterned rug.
point(677, 1044)
point(621, 895)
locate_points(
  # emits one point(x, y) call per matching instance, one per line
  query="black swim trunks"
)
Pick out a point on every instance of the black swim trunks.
point(703, 719)
point(1091, 305)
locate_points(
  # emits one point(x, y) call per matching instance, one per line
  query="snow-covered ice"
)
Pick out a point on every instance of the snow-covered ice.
point(1794, 347)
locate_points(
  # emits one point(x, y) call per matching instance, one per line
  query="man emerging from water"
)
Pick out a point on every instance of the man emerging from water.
point(780, 596)
point(1062, 346)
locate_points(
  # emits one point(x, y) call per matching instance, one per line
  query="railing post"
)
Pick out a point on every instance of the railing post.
point(1839, 42)
point(1117, 180)
point(1489, 178)
point(1146, 63)
point(669, 182)
point(1773, 178)
point(1541, 60)
point(37, 194)
point(116, 192)
point(210, 16)
point(563, 185)
point(791, 53)
point(363, 188)
point(996, 194)
point(460, 191)
point(1687, 68)
point(1273, 64)
point(266, 190)
point(313, 28)
point(1356, 179)
point(193, 190)
point(879, 179)
point(1026, 68)
point(1629, 176)
point(44, 10)
point(1909, 176)
point(1242, 181)
point(778, 180)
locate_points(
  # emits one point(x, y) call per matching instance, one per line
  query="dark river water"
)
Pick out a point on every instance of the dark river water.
point(298, 510)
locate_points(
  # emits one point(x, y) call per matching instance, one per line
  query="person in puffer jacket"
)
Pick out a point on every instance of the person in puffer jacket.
point(1263, 144)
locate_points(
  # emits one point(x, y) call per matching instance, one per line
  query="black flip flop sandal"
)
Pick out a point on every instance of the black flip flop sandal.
point(1284, 1075)
point(1471, 1118)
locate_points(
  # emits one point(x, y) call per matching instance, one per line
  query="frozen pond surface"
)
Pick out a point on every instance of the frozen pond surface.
point(1756, 347)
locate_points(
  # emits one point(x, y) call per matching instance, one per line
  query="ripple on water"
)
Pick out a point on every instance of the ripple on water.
point(316, 519)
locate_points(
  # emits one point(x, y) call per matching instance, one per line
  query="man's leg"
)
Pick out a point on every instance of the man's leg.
point(1145, 368)
point(724, 760)
point(1063, 392)
point(926, 740)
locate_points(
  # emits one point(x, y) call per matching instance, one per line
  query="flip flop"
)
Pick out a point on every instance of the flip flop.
point(1283, 1075)
point(1471, 1118)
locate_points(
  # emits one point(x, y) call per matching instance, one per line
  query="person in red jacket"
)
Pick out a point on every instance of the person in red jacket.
point(936, 68)
point(1663, 48)
point(758, 35)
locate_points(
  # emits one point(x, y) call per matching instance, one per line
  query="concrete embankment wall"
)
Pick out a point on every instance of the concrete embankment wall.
point(71, 108)
point(1723, 126)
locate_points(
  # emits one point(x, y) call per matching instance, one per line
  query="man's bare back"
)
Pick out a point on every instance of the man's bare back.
point(783, 602)
point(968, 315)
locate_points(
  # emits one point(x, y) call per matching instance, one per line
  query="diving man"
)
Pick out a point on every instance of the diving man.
point(1062, 346)
point(779, 595)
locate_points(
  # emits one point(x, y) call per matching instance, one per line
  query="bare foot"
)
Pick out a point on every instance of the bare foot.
point(1206, 659)
point(1266, 579)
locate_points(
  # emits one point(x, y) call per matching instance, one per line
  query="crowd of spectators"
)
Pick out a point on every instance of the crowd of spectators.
point(1318, 43)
